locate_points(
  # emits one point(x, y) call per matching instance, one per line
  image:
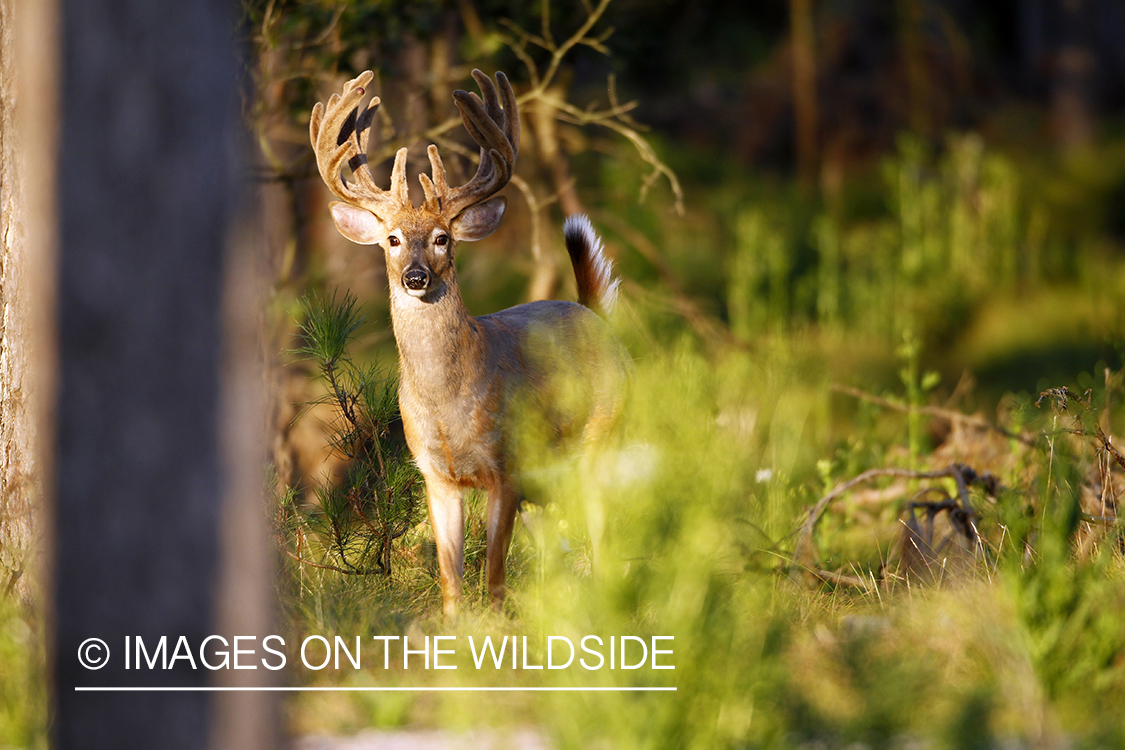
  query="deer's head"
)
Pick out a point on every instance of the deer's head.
point(418, 241)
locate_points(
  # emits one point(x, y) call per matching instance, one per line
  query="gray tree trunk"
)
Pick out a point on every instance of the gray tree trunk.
point(148, 186)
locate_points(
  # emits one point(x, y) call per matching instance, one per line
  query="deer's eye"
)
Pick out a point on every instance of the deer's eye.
point(441, 240)
point(395, 241)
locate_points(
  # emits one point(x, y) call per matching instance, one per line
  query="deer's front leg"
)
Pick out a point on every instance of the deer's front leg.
point(447, 517)
point(503, 502)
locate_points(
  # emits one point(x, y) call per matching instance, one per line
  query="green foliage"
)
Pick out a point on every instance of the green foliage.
point(355, 521)
point(955, 231)
point(23, 686)
point(328, 327)
point(917, 386)
point(1070, 604)
point(759, 276)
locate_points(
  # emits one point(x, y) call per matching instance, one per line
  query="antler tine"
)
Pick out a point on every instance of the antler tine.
point(327, 161)
point(339, 133)
point(511, 112)
point(330, 128)
point(436, 189)
point(399, 191)
point(363, 121)
point(496, 130)
point(510, 126)
point(486, 131)
point(488, 94)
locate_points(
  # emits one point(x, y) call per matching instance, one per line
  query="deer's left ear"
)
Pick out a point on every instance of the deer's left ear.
point(479, 221)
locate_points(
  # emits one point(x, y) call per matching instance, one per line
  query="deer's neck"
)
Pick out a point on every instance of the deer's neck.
point(441, 347)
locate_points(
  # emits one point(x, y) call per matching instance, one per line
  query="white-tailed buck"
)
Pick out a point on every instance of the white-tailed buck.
point(472, 389)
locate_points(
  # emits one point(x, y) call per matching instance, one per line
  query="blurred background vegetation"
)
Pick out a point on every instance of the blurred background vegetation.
point(855, 236)
point(835, 168)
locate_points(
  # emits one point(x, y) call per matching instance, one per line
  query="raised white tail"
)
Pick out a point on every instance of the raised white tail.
point(593, 272)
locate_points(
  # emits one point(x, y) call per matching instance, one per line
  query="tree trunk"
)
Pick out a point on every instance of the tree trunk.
point(912, 44)
point(1072, 72)
point(803, 44)
point(19, 389)
point(148, 191)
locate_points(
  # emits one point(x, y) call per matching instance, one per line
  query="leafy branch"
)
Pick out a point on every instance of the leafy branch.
point(355, 522)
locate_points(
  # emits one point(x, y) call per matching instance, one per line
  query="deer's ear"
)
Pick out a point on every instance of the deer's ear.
point(479, 221)
point(358, 224)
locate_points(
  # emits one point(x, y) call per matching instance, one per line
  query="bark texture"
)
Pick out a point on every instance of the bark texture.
point(149, 175)
point(18, 466)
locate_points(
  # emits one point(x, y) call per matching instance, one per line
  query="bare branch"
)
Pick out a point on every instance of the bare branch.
point(962, 475)
point(949, 415)
point(536, 207)
point(324, 566)
point(575, 39)
point(520, 51)
point(526, 37)
point(545, 21)
point(659, 168)
point(598, 42)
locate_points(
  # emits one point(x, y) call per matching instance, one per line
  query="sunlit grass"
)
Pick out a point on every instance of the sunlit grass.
point(23, 683)
point(719, 455)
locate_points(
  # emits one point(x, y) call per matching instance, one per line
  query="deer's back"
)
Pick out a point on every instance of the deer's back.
point(565, 367)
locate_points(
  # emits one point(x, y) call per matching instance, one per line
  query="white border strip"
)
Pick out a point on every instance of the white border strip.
point(374, 689)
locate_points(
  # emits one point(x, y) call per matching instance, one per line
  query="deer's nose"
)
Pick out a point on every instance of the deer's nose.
point(415, 278)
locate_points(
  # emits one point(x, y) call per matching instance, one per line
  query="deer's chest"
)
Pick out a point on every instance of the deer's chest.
point(459, 441)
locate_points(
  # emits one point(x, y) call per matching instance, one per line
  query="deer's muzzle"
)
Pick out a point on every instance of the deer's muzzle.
point(416, 279)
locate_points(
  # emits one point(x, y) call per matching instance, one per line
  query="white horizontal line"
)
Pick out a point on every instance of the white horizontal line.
point(216, 689)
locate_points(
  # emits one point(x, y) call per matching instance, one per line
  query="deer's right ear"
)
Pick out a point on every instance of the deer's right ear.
point(358, 224)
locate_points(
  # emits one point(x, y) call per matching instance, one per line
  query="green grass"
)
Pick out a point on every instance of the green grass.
point(1026, 646)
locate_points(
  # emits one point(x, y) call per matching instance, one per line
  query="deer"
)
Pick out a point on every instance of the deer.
point(473, 389)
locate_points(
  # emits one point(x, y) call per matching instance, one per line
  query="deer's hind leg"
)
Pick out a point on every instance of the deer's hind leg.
point(503, 502)
point(600, 444)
